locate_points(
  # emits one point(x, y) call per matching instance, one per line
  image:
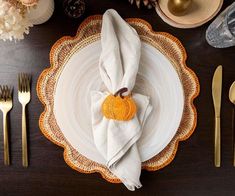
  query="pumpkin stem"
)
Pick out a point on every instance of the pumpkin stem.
point(120, 92)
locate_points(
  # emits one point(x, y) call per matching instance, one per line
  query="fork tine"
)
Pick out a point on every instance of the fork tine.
point(4, 92)
point(10, 93)
point(28, 82)
point(19, 82)
point(1, 92)
point(5, 96)
point(21, 89)
point(25, 83)
point(22, 82)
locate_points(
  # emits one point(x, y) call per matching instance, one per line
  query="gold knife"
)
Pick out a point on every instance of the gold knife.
point(216, 94)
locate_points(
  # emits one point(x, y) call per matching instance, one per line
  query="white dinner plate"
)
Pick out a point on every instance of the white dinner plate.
point(156, 78)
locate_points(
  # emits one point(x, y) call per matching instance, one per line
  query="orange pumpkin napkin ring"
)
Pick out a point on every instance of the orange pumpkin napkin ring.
point(119, 107)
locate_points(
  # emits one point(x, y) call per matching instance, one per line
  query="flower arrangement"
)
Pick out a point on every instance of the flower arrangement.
point(13, 23)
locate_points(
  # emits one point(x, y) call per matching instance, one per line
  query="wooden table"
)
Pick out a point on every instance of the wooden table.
point(191, 173)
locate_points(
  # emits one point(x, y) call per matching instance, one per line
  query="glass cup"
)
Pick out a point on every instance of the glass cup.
point(221, 32)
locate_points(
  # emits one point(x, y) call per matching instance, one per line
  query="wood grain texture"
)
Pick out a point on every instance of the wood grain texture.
point(191, 173)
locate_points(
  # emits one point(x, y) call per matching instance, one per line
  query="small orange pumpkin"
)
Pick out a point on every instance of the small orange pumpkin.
point(119, 107)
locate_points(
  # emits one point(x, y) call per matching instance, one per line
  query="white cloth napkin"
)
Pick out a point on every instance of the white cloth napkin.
point(118, 65)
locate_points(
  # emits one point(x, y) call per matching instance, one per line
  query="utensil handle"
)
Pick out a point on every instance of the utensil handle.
point(233, 128)
point(217, 142)
point(24, 139)
point(5, 138)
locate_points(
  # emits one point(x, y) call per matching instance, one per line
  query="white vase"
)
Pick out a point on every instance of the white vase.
point(41, 12)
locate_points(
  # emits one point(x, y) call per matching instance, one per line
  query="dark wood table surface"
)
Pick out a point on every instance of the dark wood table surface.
point(192, 172)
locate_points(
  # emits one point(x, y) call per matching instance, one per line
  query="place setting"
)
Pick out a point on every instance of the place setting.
point(118, 96)
point(117, 106)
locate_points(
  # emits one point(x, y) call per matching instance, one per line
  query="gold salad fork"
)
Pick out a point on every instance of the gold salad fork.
point(5, 106)
point(24, 98)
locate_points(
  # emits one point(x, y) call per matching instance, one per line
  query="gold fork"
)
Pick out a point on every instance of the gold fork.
point(5, 106)
point(24, 99)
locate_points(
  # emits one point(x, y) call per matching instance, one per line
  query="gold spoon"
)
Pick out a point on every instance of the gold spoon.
point(178, 7)
point(232, 99)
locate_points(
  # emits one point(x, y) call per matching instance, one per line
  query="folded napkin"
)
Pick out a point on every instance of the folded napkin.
point(118, 65)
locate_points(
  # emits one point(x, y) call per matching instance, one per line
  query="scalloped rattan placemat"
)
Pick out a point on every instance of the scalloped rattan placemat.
point(88, 32)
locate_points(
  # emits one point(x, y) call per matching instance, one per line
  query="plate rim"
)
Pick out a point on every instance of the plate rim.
point(176, 24)
point(67, 148)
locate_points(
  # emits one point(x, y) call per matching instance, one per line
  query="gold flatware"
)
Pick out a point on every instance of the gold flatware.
point(178, 7)
point(232, 99)
point(5, 106)
point(24, 99)
point(216, 93)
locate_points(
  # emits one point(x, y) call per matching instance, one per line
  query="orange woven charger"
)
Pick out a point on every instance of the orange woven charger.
point(89, 32)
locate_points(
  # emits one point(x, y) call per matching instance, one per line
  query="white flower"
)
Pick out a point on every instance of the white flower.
point(12, 24)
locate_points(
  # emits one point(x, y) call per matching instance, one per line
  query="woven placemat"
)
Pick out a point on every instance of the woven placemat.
point(89, 32)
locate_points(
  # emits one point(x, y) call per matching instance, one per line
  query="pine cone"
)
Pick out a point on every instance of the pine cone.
point(148, 3)
point(74, 8)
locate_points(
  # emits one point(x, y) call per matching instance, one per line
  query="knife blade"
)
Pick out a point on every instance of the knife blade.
point(216, 94)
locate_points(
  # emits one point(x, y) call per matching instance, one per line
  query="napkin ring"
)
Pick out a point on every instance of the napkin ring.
point(119, 107)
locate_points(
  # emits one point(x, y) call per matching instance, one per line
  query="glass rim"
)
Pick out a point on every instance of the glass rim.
point(232, 6)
